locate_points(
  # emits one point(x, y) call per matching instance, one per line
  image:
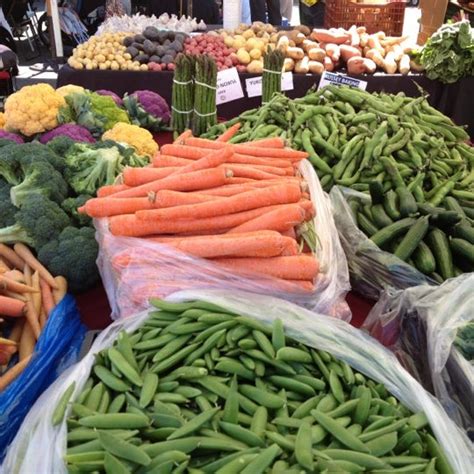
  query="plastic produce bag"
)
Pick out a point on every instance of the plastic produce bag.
point(160, 270)
point(371, 269)
point(420, 325)
point(347, 343)
point(57, 348)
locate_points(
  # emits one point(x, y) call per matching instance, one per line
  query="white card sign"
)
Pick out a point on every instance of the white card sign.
point(328, 78)
point(254, 84)
point(229, 87)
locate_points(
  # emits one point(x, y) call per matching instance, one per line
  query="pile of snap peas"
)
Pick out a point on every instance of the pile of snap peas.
point(198, 389)
point(415, 158)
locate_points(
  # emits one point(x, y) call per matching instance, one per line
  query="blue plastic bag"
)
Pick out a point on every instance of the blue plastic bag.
point(57, 348)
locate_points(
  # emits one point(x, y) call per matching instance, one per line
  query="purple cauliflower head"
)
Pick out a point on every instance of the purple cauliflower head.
point(118, 100)
point(153, 104)
point(71, 130)
point(14, 137)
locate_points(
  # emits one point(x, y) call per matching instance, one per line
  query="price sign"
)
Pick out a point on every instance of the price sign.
point(328, 78)
point(229, 87)
point(254, 84)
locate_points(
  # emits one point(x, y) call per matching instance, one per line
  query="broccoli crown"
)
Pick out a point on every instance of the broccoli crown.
point(89, 168)
point(40, 178)
point(73, 254)
point(37, 222)
point(70, 206)
point(61, 144)
point(7, 209)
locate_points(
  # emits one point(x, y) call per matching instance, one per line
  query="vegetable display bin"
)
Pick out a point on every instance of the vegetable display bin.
point(384, 16)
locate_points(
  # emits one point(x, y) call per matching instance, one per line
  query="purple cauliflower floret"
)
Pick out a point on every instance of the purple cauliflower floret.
point(70, 130)
point(154, 104)
point(147, 109)
point(11, 136)
point(118, 100)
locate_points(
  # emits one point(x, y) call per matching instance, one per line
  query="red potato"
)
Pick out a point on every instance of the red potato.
point(316, 67)
point(355, 65)
point(348, 52)
point(317, 54)
point(333, 51)
point(328, 64)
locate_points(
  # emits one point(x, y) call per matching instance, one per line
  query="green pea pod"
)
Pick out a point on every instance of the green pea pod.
point(61, 407)
point(278, 335)
point(123, 449)
point(263, 461)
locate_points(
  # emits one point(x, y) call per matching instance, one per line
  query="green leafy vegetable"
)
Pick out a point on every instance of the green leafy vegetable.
point(449, 54)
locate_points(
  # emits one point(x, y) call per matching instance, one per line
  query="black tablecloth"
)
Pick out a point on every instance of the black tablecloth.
point(455, 100)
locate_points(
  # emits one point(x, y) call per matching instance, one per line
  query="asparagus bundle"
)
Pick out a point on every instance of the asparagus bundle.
point(205, 112)
point(272, 70)
point(183, 93)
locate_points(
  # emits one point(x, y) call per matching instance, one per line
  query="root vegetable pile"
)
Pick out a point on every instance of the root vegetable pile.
point(28, 295)
point(243, 207)
point(204, 389)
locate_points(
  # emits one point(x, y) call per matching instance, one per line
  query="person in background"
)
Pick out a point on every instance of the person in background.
point(206, 10)
point(246, 17)
point(286, 9)
point(257, 8)
point(312, 13)
point(158, 7)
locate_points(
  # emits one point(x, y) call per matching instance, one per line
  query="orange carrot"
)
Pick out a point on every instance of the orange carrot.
point(165, 199)
point(33, 317)
point(111, 206)
point(138, 176)
point(284, 194)
point(303, 284)
point(212, 160)
point(10, 256)
point(27, 342)
point(308, 206)
point(194, 181)
point(289, 233)
point(129, 225)
point(232, 189)
point(297, 267)
point(233, 180)
point(229, 133)
point(13, 285)
point(273, 142)
point(47, 295)
point(251, 172)
point(110, 189)
point(25, 253)
point(280, 220)
point(42, 318)
point(163, 161)
point(11, 374)
point(11, 307)
point(183, 151)
point(180, 139)
point(253, 244)
point(60, 292)
point(36, 297)
point(284, 153)
point(255, 160)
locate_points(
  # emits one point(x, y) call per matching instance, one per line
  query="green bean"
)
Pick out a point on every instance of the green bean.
point(61, 407)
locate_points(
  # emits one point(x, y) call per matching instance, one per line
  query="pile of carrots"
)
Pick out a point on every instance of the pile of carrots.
point(28, 295)
point(238, 205)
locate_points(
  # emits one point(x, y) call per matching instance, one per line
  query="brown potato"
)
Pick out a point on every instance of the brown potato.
point(295, 53)
point(302, 67)
point(288, 64)
point(317, 54)
point(315, 67)
point(308, 44)
point(304, 29)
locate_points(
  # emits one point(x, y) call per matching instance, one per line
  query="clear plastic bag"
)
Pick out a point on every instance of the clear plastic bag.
point(330, 334)
point(57, 348)
point(420, 324)
point(159, 270)
point(371, 269)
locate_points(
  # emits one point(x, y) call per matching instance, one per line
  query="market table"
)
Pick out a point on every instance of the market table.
point(455, 100)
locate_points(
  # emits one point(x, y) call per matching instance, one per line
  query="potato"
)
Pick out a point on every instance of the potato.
point(315, 67)
point(355, 65)
point(243, 56)
point(302, 67)
point(247, 34)
point(317, 54)
point(348, 52)
point(370, 66)
point(228, 41)
point(255, 53)
point(309, 44)
point(255, 67)
point(252, 43)
point(328, 64)
point(283, 44)
point(288, 64)
point(303, 29)
point(295, 53)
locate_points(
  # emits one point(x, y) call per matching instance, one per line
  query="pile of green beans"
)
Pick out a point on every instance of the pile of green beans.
point(200, 390)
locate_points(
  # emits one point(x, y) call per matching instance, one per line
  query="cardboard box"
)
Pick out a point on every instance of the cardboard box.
point(432, 17)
